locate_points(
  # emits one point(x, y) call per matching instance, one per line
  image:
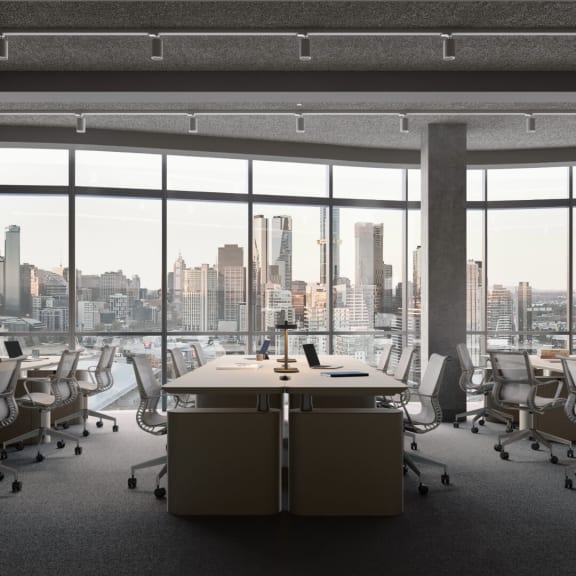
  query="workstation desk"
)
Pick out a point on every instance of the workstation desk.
point(341, 460)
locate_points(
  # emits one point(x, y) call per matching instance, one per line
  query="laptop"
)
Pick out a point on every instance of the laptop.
point(313, 360)
point(15, 351)
point(263, 350)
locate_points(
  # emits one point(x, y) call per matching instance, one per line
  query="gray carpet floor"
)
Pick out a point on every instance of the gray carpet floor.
point(76, 516)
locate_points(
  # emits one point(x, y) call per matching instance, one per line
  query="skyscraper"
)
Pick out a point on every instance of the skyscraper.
point(474, 295)
point(524, 312)
point(281, 251)
point(323, 243)
point(417, 278)
point(500, 312)
point(12, 270)
point(200, 298)
point(178, 278)
point(231, 281)
point(369, 239)
point(259, 268)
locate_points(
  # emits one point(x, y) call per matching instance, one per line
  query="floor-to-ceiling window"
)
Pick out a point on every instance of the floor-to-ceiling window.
point(174, 249)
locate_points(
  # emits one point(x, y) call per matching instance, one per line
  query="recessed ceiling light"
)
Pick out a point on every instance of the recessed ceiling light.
point(157, 47)
point(300, 123)
point(305, 52)
point(80, 123)
point(448, 47)
point(404, 124)
point(192, 124)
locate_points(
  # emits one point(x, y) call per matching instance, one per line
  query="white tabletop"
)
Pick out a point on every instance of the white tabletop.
point(231, 374)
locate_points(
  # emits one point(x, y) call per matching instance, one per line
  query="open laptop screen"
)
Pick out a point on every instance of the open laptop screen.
point(13, 348)
point(264, 348)
point(311, 356)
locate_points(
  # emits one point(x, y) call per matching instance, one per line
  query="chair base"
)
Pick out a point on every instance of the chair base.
point(160, 461)
point(16, 484)
point(84, 413)
point(410, 463)
point(43, 434)
point(480, 414)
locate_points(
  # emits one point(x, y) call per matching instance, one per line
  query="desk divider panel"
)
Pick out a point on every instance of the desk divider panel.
point(224, 461)
point(346, 462)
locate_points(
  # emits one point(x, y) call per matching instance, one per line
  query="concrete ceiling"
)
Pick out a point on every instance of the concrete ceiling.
point(512, 58)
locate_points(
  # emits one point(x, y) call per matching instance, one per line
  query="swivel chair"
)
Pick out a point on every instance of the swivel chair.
point(199, 355)
point(9, 372)
point(180, 368)
point(516, 386)
point(569, 365)
point(101, 379)
point(427, 418)
point(385, 357)
point(148, 418)
point(473, 380)
point(62, 389)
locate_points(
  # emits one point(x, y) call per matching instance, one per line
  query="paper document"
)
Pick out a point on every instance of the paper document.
point(240, 366)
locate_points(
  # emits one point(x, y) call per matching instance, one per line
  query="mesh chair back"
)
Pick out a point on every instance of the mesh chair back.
point(63, 383)
point(464, 358)
point(103, 371)
point(178, 362)
point(9, 372)
point(569, 365)
point(199, 354)
point(150, 392)
point(430, 414)
point(513, 377)
point(403, 368)
point(466, 380)
point(385, 357)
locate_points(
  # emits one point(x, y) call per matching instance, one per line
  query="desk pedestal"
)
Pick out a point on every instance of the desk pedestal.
point(346, 462)
point(224, 461)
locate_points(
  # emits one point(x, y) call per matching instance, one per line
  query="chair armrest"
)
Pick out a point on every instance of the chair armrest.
point(555, 400)
point(25, 382)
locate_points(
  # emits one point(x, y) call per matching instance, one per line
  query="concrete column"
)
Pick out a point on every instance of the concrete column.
point(443, 254)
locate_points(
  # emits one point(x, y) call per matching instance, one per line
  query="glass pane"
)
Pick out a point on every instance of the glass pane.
point(527, 183)
point(118, 261)
point(33, 167)
point(289, 267)
point(414, 298)
point(118, 170)
point(475, 271)
point(368, 291)
point(527, 276)
point(475, 185)
point(290, 179)
point(367, 183)
point(414, 185)
point(207, 174)
point(207, 259)
point(33, 263)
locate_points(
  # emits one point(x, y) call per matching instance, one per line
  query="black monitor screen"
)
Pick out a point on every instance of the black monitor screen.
point(13, 348)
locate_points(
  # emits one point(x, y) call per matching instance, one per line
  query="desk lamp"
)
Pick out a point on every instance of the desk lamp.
point(285, 369)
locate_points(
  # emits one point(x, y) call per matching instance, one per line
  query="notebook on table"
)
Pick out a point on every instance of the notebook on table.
point(313, 360)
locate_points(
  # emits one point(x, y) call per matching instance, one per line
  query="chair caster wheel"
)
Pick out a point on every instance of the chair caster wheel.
point(3, 454)
point(445, 479)
point(131, 483)
point(85, 433)
point(498, 447)
point(60, 444)
point(568, 483)
point(570, 453)
point(554, 459)
point(16, 486)
point(160, 492)
point(423, 489)
point(405, 469)
point(99, 424)
point(78, 450)
point(535, 446)
point(509, 428)
point(39, 457)
point(456, 424)
point(115, 428)
point(482, 422)
point(504, 455)
point(474, 429)
point(413, 446)
point(65, 425)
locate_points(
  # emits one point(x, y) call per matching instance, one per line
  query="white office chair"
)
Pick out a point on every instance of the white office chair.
point(199, 355)
point(473, 380)
point(428, 417)
point(516, 387)
point(569, 366)
point(180, 368)
point(148, 418)
point(385, 357)
point(62, 390)
point(9, 372)
point(101, 379)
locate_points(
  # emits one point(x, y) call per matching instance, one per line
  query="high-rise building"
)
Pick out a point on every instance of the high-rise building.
point(299, 301)
point(231, 282)
point(324, 240)
point(474, 295)
point(259, 268)
point(369, 244)
point(524, 310)
point(112, 283)
point(388, 291)
point(281, 251)
point(178, 278)
point(200, 298)
point(500, 312)
point(417, 278)
point(12, 270)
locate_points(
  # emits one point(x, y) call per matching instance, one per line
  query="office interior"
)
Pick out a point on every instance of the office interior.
point(428, 146)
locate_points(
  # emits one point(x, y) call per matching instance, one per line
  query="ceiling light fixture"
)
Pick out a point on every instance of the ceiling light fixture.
point(448, 47)
point(530, 123)
point(80, 124)
point(192, 124)
point(3, 47)
point(157, 47)
point(300, 128)
point(305, 51)
point(404, 124)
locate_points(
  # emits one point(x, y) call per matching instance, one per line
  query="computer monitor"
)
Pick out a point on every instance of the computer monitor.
point(13, 348)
